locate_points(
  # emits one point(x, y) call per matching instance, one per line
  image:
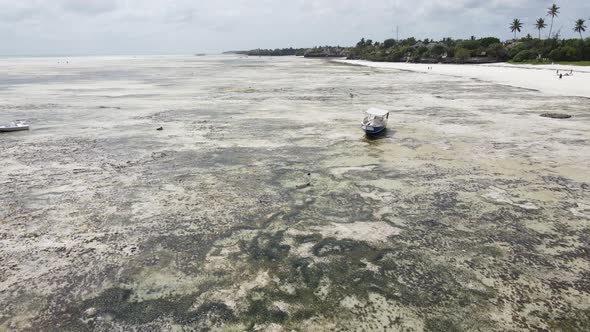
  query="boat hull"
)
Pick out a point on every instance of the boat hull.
point(369, 130)
point(10, 129)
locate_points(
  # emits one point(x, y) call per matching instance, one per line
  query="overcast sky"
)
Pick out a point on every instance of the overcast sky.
point(72, 27)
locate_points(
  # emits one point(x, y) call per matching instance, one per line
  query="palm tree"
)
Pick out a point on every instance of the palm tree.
point(580, 27)
point(553, 11)
point(515, 26)
point(540, 25)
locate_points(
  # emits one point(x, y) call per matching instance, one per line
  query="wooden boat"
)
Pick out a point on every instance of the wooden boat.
point(17, 125)
point(375, 121)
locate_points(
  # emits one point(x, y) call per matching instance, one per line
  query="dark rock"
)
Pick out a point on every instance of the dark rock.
point(90, 312)
point(556, 115)
point(304, 185)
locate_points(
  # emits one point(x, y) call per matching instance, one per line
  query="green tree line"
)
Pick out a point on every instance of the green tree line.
point(473, 50)
point(483, 50)
point(273, 52)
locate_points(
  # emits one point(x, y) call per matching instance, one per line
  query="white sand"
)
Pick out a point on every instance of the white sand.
point(543, 77)
point(372, 232)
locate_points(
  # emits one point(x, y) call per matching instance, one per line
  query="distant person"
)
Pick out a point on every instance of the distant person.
point(560, 76)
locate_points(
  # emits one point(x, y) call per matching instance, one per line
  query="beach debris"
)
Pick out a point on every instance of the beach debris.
point(556, 115)
point(160, 129)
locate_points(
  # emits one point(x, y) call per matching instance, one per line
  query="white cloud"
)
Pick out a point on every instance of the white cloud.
point(184, 26)
point(89, 7)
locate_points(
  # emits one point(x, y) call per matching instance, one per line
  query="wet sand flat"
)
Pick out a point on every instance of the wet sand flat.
point(261, 205)
point(544, 78)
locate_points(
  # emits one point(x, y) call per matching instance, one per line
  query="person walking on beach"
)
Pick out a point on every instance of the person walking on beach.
point(560, 76)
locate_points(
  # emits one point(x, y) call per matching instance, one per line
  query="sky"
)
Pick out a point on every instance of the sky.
point(103, 27)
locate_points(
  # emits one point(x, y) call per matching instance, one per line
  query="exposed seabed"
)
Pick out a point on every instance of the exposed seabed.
point(262, 205)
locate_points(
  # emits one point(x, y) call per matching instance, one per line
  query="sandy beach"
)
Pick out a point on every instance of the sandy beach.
point(262, 206)
point(543, 78)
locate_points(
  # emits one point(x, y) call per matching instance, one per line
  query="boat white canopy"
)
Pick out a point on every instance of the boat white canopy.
point(377, 112)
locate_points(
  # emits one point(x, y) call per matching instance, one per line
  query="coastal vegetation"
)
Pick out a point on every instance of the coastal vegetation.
point(490, 49)
point(271, 52)
point(448, 50)
point(482, 50)
point(315, 52)
point(564, 63)
point(580, 27)
point(540, 25)
point(553, 12)
point(515, 26)
point(473, 50)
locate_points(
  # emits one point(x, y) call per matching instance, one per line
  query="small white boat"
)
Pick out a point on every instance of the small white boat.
point(16, 125)
point(375, 121)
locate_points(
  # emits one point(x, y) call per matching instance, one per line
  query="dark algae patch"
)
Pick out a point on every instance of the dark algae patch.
point(441, 324)
point(116, 306)
point(345, 269)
